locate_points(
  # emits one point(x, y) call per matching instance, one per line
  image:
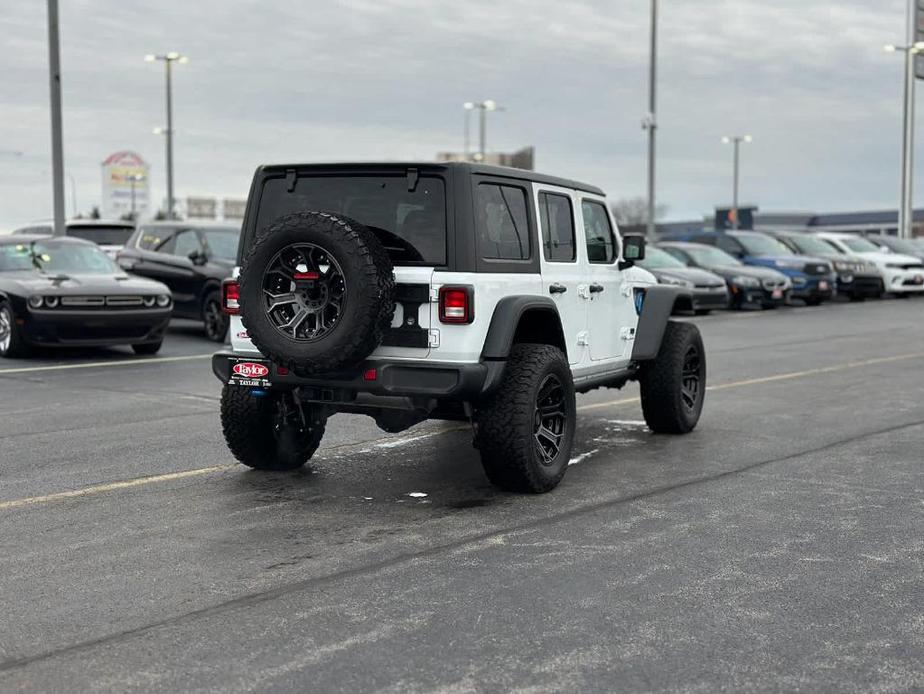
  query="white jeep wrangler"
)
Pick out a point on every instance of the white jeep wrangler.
point(455, 291)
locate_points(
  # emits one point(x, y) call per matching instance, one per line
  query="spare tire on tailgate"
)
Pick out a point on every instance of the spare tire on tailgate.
point(317, 292)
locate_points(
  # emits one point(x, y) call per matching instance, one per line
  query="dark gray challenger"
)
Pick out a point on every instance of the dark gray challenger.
point(67, 292)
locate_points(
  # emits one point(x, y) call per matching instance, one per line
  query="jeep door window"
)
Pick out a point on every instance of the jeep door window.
point(411, 224)
point(503, 223)
point(556, 218)
point(598, 234)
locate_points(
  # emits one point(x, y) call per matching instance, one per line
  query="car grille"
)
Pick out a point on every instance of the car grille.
point(817, 269)
point(708, 286)
point(773, 283)
point(101, 302)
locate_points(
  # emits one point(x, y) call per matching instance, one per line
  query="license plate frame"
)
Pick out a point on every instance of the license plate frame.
point(248, 376)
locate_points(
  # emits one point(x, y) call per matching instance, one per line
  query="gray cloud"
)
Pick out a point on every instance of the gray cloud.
point(385, 79)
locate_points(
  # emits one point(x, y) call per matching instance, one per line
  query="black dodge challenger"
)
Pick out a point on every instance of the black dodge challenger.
point(67, 292)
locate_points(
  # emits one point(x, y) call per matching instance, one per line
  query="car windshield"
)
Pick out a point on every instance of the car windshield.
point(222, 243)
point(711, 257)
point(809, 245)
point(53, 257)
point(408, 216)
point(859, 245)
point(656, 259)
point(105, 234)
point(901, 245)
point(758, 244)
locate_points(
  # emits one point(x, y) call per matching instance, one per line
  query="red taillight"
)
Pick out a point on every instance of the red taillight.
point(370, 375)
point(231, 297)
point(456, 305)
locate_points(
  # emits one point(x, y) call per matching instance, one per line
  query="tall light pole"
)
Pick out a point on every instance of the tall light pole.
point(650, 122)
point(482, 107)
point(73, 194)
point(57, 139)
point(169, 59)
point(905, 207)
point(736, 140)
point(467, 139)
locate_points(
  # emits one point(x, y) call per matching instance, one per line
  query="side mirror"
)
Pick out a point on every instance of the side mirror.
point(633, 250)
point(197, 257)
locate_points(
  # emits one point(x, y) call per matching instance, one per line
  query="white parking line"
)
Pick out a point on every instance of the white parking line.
point(102, 364)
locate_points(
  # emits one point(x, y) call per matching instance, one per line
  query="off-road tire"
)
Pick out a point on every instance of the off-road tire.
point(661, 382)
point(17, 346)
point(369, 303)
point(505, 422)
point(210, 318)
point(147, 348)
point(248, 424)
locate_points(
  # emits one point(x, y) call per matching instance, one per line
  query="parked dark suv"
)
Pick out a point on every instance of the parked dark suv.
point(192, 258)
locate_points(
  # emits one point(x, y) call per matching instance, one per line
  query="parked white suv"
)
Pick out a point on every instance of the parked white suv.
point(901, 274)
point(443, 291)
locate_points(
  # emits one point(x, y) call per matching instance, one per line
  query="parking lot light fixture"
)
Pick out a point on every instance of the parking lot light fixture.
point(168, 59)
point(736, 140)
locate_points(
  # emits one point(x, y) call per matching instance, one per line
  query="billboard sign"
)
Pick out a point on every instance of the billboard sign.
point(234, 208)
point(201, 207)
point(125, 178)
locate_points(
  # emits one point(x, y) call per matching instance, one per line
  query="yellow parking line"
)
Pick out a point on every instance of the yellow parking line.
point(98, 364)
point(112, 486)
point(142, 481)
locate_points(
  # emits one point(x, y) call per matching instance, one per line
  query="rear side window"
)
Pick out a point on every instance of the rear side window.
point(598, 234)
point(107, 235)
point(556, 218)
point(502, 221)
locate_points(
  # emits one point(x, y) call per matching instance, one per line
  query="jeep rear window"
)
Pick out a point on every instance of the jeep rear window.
point(411, 224)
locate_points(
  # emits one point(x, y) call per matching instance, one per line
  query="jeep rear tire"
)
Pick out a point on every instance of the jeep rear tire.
point(526, 427)
point(261, 436)
point(673, 386)
point(316, 292)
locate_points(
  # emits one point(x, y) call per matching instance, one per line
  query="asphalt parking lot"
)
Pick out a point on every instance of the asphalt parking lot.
point(779, 546)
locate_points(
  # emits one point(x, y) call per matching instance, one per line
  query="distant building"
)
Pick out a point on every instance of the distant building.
point(524, 158)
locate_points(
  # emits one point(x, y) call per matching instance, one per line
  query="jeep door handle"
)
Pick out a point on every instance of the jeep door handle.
point(596, 288)
point(557, 288)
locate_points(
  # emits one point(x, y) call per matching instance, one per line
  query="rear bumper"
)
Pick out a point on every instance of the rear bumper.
point(95, 328)
point(453, 381)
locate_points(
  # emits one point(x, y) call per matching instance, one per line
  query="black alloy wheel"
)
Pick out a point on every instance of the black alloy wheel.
point(550, 419)
point(304, 292)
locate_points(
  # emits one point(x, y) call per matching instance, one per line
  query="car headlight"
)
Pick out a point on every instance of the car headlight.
point(36, 301)
point(745, 281)
point(788, 262)
point(149, 301)
point(51, 301)
point(676, 282)
point(163, 300)
point(842, 266)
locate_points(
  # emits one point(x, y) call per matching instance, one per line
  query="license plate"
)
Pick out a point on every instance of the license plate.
point(250, 373)
point(776, 294)
point(823, 286)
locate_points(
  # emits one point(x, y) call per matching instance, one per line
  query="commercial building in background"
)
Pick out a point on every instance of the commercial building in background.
point(872, 222)
point(524, 158)
point(210, 207)
point(125, 177)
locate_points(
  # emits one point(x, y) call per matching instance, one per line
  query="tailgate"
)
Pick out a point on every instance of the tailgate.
point(409, 335)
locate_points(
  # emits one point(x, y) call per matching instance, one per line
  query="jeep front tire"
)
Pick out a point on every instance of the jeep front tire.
point(673, 386)
point(525, 429)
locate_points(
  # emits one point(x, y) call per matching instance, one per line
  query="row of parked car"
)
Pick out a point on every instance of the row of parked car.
point(109, 283)
point(740, 269)
point(112, 283)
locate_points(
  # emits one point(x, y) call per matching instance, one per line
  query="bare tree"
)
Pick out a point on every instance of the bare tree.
point(633, 212)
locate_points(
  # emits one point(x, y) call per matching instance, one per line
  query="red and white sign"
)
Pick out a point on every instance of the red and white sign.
point(248, 369)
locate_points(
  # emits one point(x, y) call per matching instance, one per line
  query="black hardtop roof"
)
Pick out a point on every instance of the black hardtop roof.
point(462, 167)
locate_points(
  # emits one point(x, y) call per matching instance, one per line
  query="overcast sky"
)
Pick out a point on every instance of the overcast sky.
point(317, 80)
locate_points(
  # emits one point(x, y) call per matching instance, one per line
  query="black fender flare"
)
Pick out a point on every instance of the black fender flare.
point(506, 319)
point(659, 304)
